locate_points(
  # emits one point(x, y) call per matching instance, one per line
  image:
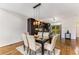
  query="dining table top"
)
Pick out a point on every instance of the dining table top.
point(41, 40)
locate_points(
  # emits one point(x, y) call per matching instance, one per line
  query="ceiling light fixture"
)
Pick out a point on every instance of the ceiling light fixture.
point(37, 11)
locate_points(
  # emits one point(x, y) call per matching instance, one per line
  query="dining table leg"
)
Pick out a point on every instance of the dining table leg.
point(42, 49)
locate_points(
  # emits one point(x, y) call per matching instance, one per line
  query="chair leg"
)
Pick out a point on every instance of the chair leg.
point(24, 47)
point(27, 50)
point(35, 52)
point(54, 51)
point(49, 52)
point(30, 51)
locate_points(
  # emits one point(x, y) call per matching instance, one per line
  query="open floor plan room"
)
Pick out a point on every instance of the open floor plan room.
point(39, 28)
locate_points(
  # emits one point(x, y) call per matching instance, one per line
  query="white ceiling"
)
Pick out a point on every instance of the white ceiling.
point(47, 10)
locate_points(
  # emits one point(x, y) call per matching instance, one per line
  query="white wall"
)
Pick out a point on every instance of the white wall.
point(11, 27)
point(77, 27)
point(68, 24)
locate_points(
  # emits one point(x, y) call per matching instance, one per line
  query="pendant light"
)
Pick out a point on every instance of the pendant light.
point(36, 14)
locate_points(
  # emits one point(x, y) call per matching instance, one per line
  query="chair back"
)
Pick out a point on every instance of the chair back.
point(31, 42)
point(54, 41)
point(40, 34)
point(24, 38)
point(45, 35)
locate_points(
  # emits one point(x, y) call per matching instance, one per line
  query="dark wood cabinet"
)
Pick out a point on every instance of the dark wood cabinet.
point(31, 28)
point(34, 29)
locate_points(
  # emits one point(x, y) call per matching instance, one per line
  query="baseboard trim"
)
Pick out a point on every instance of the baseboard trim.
point(21, 42)
point(77, 37)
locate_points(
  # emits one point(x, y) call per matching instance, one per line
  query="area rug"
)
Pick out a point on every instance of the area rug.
point(21, 50)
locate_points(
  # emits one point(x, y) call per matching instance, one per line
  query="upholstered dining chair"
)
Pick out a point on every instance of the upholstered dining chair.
point(51, 47)
point(32, 44)
point(45, 35)
point(25, 41)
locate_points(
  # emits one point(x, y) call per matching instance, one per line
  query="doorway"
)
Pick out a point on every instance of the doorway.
point(57, 29)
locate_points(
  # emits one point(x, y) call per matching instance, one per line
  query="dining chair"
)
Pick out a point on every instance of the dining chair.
point(40, 34)
point(51, 47)
point(45, 35)
point(32, 44)
point(25, 42)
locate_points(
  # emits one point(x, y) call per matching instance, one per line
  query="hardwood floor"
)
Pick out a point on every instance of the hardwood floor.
point(66, 46)
point(10, 49)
